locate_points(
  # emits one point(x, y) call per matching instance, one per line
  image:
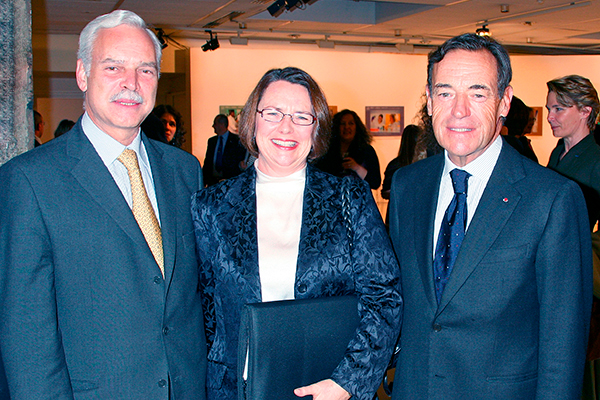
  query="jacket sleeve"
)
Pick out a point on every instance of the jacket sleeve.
point(377, 284)
point(564, 279)
point(30, 338)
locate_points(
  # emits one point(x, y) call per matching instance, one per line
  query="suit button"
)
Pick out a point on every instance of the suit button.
point(166, 330)
point(437, 327)
point(302, 288)
point(157, 280)
point(162, 383)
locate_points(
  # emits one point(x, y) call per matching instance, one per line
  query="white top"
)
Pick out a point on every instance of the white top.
point(480, 169)
point(110, 149)
point(279, 220)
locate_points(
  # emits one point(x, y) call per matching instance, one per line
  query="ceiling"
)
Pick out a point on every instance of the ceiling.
point(528, 27)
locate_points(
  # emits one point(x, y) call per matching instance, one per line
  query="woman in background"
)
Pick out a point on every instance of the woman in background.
point(350, 151)
point(63, 127)
point(286, 230)
point(173, 123)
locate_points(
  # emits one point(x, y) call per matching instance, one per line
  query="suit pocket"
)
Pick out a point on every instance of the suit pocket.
point(513, 378)
point(506, 254)
point(83, 385)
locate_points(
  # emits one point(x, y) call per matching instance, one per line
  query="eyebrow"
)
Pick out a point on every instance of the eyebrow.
point(109, 60)
point(477, 86)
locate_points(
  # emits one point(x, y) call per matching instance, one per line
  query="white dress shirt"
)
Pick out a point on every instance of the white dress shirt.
point(279, 203)
point(480, 169)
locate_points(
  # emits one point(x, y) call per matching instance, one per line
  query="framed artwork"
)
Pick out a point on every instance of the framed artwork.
point(385, 121)
point(538, 116)
point(333, 110)
point(233, 115)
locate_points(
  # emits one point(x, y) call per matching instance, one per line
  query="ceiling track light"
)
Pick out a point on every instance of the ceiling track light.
point(162, 38)
point(279, 6)
point(211, 44)
point(483, 31)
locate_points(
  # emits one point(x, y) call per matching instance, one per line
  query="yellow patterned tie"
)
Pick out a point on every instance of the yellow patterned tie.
point(142, 208)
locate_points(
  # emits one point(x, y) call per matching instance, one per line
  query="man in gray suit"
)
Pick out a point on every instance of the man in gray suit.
point(98, 271)
point(494, 249)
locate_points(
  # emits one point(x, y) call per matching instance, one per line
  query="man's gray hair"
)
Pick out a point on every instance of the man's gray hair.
point(89, 34)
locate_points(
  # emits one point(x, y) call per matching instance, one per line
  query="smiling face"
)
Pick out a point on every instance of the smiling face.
point(283, 146)
point(170, 126)
point(347, 128)
point(567, 122)
point(463, 102)
point(120, 88)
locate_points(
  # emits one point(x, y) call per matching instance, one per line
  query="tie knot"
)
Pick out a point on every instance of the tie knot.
point(129, 159)
point(459, 180)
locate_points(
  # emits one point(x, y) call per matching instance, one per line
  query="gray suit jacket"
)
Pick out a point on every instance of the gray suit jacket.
point(514, 316)
point(85, 311)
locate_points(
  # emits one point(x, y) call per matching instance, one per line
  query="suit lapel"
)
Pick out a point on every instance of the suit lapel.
point(497, 203)
point(164, 184)
point(426, 197)
point(317, 193)
point(93, 176)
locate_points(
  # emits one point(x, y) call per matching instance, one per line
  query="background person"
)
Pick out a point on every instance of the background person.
point(63, 127)
point(172, 122)
point(277, 232)
point(224, 154)
point(350, 151)
point(573, 106)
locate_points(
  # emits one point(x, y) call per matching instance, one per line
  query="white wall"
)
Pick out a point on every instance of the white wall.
point(354, 80)
point(349, 79)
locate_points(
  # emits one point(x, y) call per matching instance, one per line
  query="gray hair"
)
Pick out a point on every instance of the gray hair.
point(89, 34)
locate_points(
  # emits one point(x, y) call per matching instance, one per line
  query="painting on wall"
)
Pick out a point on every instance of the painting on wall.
point(538, 119)
point(385, 121)
point(233, 116)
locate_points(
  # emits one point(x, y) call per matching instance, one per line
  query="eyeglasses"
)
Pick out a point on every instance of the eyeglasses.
point(299, 118)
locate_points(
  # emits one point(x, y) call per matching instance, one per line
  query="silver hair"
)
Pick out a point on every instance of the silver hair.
point(89, 34)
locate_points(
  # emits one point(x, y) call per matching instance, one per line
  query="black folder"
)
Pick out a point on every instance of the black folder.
point(292, 343)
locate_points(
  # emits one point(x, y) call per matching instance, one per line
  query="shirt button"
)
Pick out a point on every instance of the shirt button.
point(302, 288)
point(162, 383)
point(437, 327)
point(166, 330)
point(157, 280)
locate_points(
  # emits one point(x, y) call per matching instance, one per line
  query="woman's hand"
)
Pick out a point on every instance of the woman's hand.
point(323, 390)
point(349, 163)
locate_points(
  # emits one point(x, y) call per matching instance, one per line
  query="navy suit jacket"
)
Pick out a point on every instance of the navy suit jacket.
point(513, 318)
point(233, 154)
point(85, 312)
point(225, 222)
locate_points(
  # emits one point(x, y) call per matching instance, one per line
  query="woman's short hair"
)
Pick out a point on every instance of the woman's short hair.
point(320, 109)
point(163, 109)
point(362, 136)
point(89, 34)
point(575, 90)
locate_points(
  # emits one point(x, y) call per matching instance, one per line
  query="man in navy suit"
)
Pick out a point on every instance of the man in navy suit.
point(226, 163)
point(504, 313)
point(91, 306)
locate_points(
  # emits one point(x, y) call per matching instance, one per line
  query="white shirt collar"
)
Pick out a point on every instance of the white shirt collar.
point(108, 148)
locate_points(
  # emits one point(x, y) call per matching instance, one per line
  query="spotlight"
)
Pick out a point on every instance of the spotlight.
point(277, 8)
point(160, 35)
point(211, 44)
point(483, 31)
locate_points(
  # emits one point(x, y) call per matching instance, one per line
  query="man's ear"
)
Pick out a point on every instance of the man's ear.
point(81, 76)
point(429, 106)
point(504, 107)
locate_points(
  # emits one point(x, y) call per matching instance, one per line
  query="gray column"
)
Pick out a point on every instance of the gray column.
point(16, 85)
